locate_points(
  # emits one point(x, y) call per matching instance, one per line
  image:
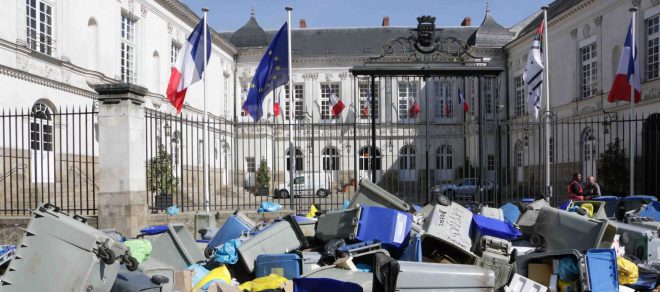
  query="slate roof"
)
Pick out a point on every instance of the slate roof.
point(250, 35)
point(491, 33)
point(367, 41)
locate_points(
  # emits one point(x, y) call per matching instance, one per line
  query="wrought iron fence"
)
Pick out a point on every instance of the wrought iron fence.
point(50, 156)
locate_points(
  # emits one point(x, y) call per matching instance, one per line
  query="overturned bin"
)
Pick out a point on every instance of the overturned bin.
point(370, 194)
point(446, 237)
point(557, 229)
point(176, 247)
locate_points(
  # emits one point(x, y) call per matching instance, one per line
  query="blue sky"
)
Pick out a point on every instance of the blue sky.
point(232, 14)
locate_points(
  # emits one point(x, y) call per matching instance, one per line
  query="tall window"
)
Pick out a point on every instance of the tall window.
point(407, 94)
point(364, 161)
point(330, 159)
point(407, 157)
point(41, 129)
point(364, 87)
point(589, 70)
point(225, 102)
point(299, 96)
point(250, 164)
point(444, 107)
point(326, 107)
point(39, 26)
point(491, 162)
point(488, 95)
point(520, 154)
point(127, 66)
point(519, 87)
point(174, 53)
point(444, 157)
point(653, 47)
point(298, 160)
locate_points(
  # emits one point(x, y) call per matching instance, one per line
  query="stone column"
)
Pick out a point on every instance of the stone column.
point(122, 200)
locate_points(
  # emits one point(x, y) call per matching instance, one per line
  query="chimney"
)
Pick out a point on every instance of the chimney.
point(303, 23)
point(386, 21)
point(467, 21)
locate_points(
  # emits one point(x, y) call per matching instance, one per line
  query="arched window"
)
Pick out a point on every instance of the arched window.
point(330, 158)
point(155, 63)
point(93, 44)
point(298, 160)
point(444, 157)
point(520, 154)
point(41, 128)
point(407, 157)
point(364, 160)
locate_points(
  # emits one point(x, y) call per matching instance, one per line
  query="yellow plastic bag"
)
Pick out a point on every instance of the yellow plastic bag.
point(589, 208)
point(271, 281)
point(628, 272)
point(219, 273)
point(312, 211)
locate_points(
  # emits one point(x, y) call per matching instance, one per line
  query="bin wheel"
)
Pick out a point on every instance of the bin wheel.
point(443, 200)
point(107, 255)
point(131, 263)
point(536, 240)
point(284, 194)
point(208, 252)
point(321, 193)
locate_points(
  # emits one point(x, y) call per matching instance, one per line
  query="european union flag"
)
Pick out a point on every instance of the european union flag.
point(273, 72)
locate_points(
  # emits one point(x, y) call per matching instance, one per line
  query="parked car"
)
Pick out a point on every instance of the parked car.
point(306, 185)
point(463, 189)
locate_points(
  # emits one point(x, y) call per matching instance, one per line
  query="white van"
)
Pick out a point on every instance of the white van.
point(318, 184)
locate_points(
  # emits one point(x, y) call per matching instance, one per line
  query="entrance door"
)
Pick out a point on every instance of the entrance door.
point(41, 144)
point(651, 137)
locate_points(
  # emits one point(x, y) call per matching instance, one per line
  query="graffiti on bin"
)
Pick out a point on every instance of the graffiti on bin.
point(451, 221)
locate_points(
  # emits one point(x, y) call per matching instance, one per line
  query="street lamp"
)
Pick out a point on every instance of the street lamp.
point(526, 138)
point(609, 118)
point(167, 129)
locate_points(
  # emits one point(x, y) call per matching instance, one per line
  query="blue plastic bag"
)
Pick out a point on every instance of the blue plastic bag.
point(346, 204)
point(173, 210)
point(568, 269)
point(227, 253)
point(269, 207)
point(199, 273)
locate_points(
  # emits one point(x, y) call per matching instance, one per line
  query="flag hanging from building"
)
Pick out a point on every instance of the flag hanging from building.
point(272, 72)
point(367, 106)
point(189, 67)
point(533, 75)
point(627, 74)
point(414, 108)
point(336, 105)
point(276, 105)
point(461, 100)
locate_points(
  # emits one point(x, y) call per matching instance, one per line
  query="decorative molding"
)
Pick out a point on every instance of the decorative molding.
point(574, 33)
point(343, 75)
point(144, 10)
point(598, 20)
point(586, 30)
point(310, 76)
point(22, 75)
point(328, 77)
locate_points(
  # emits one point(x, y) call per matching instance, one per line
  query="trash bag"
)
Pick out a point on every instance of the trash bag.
point(269, 207)
point(198, 273)
point(312, 211)
point(628, 271)
point(227, 253)
point(140, 249)
point(589, 208)
point(219, 274)
point(346, 204)
point(271, 281)
point(386, 272)
point(329, 254)
point(568, 269)
point(173, 210)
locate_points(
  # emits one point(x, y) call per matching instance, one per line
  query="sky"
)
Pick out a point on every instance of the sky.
point(230, 15)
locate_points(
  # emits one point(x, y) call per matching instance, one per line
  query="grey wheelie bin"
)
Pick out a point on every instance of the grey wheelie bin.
point(600, 210)
point(370, 194)
point(641, 242)
point(281, 237)
point(176, 247)
point(557, 229)
point(62, 253)
point(495, 256)
point(527, 220)
point(152, 267)
point(446, 235)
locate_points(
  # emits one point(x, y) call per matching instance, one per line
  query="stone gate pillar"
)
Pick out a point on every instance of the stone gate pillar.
point(122, 200)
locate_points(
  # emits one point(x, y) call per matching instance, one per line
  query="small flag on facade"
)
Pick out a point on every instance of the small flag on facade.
point(461, 100)
point(627, 74)
point(414, 108)
point(336, 105)
point(533, 75)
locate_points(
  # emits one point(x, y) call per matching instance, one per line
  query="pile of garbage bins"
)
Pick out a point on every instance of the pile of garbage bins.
point(377, 242)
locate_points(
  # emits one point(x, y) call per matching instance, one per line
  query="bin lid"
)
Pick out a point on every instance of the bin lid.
point(602, 269)
point(494, 227)
point(639, 198)
point(153, 230)
point(606, 198)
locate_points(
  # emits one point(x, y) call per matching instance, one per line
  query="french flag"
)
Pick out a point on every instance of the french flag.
point(415, 109)
point(367, 105)
point(189, 66)
point(627, 74)
point(276, 106)
point(461, 99)
point(336, 104)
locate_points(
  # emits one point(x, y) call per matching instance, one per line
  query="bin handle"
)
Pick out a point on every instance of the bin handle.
point(80, 218)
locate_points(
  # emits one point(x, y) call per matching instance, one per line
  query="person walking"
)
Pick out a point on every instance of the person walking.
point(592, 189)
point(575, 190)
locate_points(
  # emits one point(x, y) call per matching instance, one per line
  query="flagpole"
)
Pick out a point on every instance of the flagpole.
point(206, 123)
point(292, 154)
point(546, 81)
point(633, 130)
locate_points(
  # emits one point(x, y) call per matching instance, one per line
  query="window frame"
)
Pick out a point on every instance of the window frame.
point(404, 98)
point(588, 55)
point(444, 158)
point(326, 107)
point(175, 49)
point(127, 54)
point(299, 160)
point(364, 86)
point(652, 42)
point(407, 157)
point(250, 164)
point(39, 16)
point(519, 102)
point(298, 100)
point(330, 159)
point(443, 90)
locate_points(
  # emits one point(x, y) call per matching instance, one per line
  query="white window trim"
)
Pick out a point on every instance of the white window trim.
point(651, 12)
point(37, 29)
point(581, 64)
point(588, 41)
point(645, 70)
